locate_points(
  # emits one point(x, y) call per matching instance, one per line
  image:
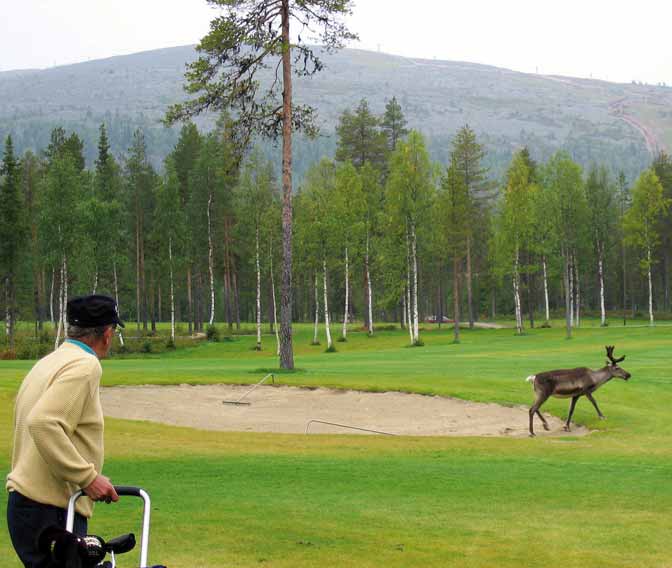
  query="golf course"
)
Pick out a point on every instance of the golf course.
point(248, 499)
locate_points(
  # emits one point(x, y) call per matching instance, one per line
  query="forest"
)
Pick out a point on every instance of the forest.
point(382, 234)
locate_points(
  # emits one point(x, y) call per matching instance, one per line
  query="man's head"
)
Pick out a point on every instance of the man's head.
point(93, 320)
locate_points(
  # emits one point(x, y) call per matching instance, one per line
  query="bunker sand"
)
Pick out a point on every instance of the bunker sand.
point(284, 409)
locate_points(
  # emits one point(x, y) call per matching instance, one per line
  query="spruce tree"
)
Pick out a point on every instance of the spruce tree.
point(12, 234)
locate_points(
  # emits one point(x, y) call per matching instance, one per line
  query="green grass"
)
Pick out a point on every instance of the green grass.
point(242, 499)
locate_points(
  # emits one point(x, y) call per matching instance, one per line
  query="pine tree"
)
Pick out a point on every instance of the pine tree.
point(360, 139)
point(453, 211)
point(394, 123)
point(250, 35)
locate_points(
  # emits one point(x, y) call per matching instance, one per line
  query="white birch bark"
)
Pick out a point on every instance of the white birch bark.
point(578, 294)
point(403, 310)
point(51, 295)
point(61, 306)
point(275, 311)
point(258, 266)
point(648, 256)
point(8, 313)
point(414, 252)
point(516, 294)
point(548, 311)
point(211, 263)
point(172, 290)
point(347, 295)
point(600, 268)
point(369, 288)
point(326, 305)
point(317, 312)
point(95, 281)
point(65, 293)
point(409, 301)
point(571, 289)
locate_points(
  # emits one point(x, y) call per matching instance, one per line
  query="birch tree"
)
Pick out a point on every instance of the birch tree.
point(349, 210)
point(61, 220)
point(603, 219)
point(254, 197)
point(169, 233)
point(249, 36)
point(409, 190)
point(641, 224)
point(316, 232)
point(517, 224)
point(567, 207)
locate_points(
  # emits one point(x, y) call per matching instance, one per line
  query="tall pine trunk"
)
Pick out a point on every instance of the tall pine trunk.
point(172, 290)
point(190, 301)
point(211, 262)
point(286, 350)
point(456, 298)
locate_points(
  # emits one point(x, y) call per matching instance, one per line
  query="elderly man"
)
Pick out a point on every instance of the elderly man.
point(58, 431)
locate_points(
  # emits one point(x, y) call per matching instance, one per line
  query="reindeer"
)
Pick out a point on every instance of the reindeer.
point(573, 383)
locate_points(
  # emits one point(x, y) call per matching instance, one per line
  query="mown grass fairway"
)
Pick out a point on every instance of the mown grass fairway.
point(239, 499)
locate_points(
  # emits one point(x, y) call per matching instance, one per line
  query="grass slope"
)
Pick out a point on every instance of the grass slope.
point(241, 499)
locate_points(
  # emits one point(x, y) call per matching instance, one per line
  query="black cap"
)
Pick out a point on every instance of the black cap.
point(93, 311)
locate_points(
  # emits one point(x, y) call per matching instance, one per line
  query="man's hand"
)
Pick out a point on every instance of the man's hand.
point(101, 490)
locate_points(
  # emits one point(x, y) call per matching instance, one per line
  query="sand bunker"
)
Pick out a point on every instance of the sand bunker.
point(290, 409)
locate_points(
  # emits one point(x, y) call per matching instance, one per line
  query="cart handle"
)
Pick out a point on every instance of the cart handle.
point(122, 491)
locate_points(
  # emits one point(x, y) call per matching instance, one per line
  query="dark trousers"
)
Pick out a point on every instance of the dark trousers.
point(26, 519)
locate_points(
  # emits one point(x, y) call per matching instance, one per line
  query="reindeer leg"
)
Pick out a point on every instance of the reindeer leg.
point(534, 409)
point(571, 412)
point(591, 399)
point(543, 420)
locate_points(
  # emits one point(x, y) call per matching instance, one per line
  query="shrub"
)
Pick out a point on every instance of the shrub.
point(212, 333)
point(331, 349)
point(146, 347)
point(170, 345)
point(7, 355)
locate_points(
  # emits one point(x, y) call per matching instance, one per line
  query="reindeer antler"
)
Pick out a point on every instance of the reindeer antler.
point(610, 354)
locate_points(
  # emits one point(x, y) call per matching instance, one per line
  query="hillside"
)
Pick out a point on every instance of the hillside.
point(621, 125)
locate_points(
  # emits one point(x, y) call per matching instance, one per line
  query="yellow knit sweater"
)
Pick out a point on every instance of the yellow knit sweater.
point(58, 429)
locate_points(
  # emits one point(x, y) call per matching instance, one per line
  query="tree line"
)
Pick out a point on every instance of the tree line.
point(380, 234)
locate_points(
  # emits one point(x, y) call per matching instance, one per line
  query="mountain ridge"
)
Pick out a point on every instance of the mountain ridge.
point(619, 124)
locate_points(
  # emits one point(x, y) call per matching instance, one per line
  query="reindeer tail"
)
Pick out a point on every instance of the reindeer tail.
point(531, 378)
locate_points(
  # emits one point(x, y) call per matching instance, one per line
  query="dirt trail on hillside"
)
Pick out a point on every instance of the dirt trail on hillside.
point(286, 409)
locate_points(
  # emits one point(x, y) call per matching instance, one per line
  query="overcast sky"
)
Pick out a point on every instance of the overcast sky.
point(616, 40)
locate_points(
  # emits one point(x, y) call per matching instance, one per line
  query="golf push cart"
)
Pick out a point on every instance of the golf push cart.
point(68, 550)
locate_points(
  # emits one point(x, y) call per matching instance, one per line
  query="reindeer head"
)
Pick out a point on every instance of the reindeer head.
point(612, 363)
